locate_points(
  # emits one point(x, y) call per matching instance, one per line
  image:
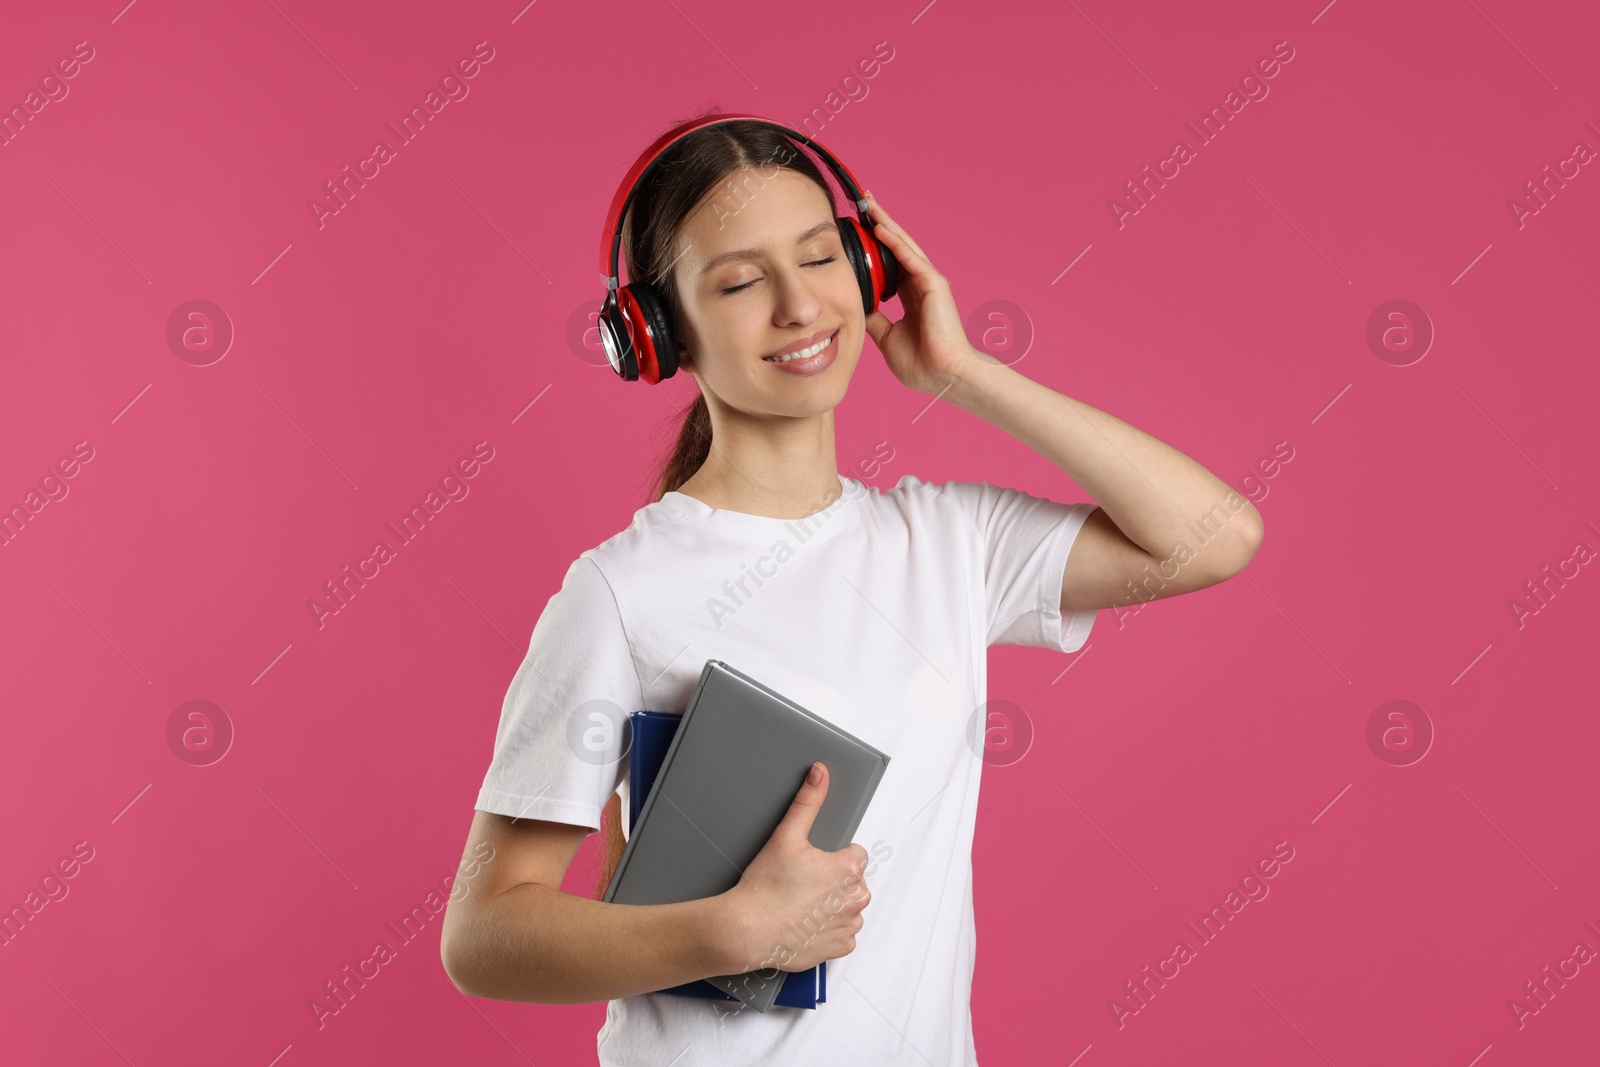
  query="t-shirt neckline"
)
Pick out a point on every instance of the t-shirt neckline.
point(817, 526)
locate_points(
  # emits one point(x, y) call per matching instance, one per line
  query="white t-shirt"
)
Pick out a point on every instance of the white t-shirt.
point(874, 613)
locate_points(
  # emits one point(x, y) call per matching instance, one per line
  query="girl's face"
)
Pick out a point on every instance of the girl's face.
point(759, 272)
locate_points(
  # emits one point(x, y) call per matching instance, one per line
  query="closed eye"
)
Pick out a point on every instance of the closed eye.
point(813, 263)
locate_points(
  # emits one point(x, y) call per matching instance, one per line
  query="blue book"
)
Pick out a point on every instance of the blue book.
point(652, 735)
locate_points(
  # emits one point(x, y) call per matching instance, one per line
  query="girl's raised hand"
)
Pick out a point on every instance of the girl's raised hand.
point(927, 350)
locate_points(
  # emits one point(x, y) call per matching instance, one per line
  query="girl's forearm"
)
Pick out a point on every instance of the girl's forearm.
point(539, 945)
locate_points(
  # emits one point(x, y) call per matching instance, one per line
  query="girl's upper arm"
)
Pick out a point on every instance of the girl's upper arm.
point(1103, 561)
point(1099, 566)
point(503, 853)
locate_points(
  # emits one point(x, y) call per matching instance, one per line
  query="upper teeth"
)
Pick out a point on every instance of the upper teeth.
point(804, 353)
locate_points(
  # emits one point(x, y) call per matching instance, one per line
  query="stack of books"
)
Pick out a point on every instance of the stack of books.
point(709, 787)
point(652, 735)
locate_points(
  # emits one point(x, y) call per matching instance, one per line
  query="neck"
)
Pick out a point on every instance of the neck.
point(782, 468)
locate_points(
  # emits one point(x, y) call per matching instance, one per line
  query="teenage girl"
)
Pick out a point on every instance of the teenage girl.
point(872, 608)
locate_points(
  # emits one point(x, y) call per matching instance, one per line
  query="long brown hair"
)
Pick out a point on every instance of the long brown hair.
point(690, 169)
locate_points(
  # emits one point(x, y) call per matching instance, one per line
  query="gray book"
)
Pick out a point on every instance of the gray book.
point(732, 770)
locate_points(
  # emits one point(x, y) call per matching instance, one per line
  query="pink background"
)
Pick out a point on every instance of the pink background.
point(432, 312)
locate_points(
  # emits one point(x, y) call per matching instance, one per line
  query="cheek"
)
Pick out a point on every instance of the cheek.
point(845, 293)
point(729, 347)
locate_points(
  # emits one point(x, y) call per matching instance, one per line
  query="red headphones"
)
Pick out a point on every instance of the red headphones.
point(634, 323)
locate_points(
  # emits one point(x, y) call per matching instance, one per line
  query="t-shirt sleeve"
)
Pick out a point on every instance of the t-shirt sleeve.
point(1025, 541)
point(560, 749)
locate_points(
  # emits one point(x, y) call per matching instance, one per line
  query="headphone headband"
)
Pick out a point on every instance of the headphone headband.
point(611, 235)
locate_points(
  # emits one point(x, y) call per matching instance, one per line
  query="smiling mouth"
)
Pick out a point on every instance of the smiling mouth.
point(804, 353)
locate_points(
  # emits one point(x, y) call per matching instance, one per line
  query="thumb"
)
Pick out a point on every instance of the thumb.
point(807, 802)
point(878, 326)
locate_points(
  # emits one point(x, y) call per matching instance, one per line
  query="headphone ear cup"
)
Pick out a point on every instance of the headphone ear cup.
point(663, 343)
point(877, 271)
point(655, 350)
point(891, 269)
point(850, 238)
point(616, 339)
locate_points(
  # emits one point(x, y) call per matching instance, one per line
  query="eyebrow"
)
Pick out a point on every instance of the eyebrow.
point(752, 253)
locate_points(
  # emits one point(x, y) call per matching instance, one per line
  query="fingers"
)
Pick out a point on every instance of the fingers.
point(914, 265)
point(878, 326)
point(909, 254)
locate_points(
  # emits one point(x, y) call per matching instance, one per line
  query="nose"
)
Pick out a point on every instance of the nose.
point(797, 300)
